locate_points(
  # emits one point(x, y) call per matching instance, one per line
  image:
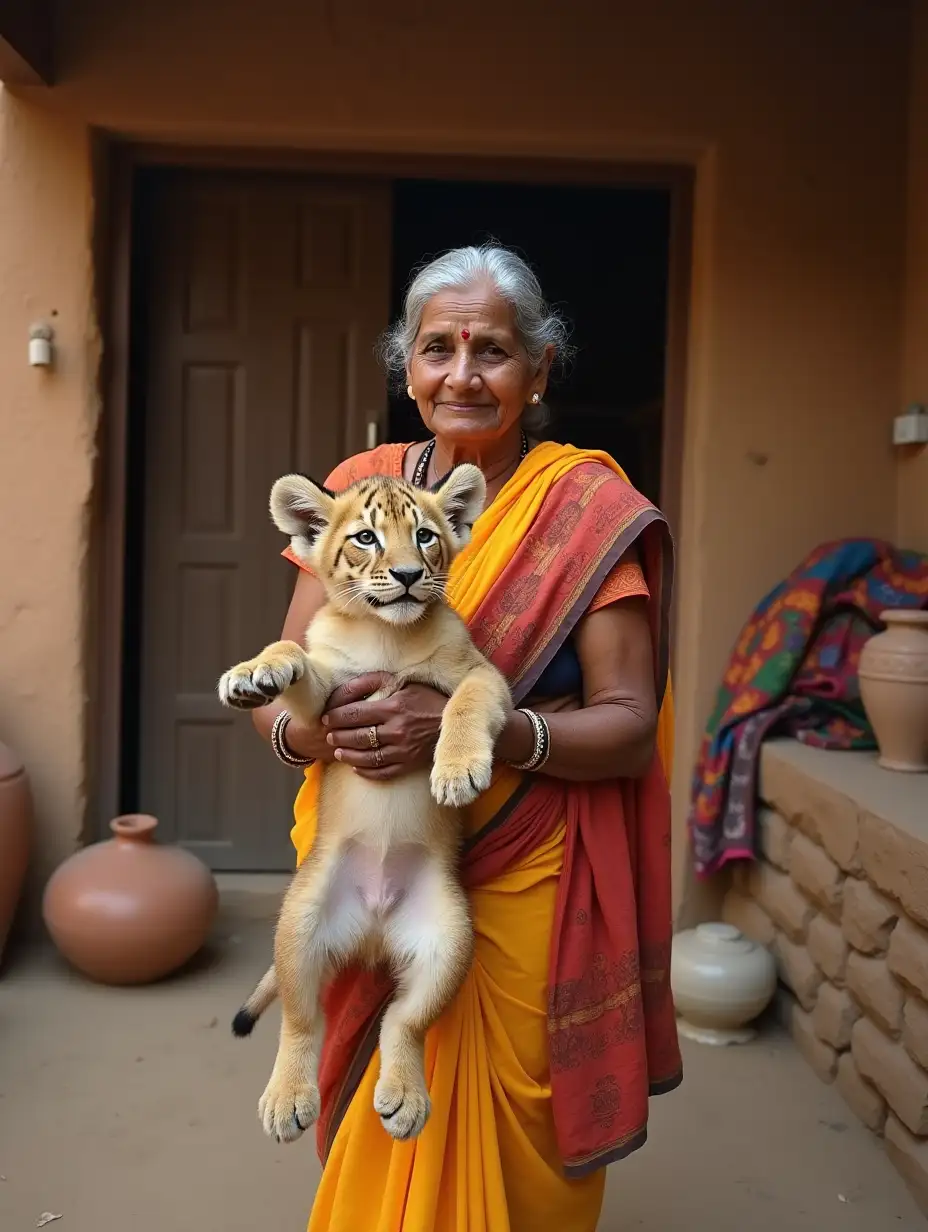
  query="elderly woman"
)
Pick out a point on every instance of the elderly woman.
point(540, 1070)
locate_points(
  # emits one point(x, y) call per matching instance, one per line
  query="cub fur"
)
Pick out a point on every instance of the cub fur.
point(380, 883)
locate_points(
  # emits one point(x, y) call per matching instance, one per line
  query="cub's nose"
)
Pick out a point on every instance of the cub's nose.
point(407, 577)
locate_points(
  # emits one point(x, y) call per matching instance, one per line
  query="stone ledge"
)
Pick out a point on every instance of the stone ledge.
point(870, 821)
point(855, 777)
point(842, 882)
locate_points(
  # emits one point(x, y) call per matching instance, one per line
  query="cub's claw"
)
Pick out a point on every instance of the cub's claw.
point(259, 681)
point(457, 784)
point(403, 1109)
point(286, 1112)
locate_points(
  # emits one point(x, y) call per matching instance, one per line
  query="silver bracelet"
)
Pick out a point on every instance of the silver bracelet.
point(278, 744)
point(542, 749)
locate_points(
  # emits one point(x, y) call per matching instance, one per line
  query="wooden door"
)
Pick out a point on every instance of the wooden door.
point(266, 300)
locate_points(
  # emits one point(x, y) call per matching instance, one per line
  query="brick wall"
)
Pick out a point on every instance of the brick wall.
point(840, 894)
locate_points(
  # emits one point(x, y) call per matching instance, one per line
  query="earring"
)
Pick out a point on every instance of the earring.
point(536, 398)
point(410, 393)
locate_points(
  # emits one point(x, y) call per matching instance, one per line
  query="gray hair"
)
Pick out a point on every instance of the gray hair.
point(537, 324)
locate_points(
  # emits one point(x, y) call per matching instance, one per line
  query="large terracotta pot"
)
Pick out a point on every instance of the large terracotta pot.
point(129, 911)
point(720, 981)
point(893, 674)
point(15, 836)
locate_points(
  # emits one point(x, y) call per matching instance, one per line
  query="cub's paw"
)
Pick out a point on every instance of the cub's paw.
point(260, 681)
point(287, 1109)
point(403, 1108)
point(457, 782)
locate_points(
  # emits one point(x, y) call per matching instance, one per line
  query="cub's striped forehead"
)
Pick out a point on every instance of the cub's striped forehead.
point(389, 500)
point(379, 501)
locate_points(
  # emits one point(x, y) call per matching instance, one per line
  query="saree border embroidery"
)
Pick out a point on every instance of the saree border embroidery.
point(581, 1018)
point(593, 1010)
point(625, 1145)
point(603, 987)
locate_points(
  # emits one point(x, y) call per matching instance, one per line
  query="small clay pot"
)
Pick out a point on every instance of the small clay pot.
point(130, 911)
point(893, 674)
point(720, 981)
point(15, 836)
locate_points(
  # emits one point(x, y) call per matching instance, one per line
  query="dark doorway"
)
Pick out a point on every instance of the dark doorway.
point(602, 254)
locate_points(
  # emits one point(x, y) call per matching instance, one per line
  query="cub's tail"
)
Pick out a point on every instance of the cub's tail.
point(266, 991)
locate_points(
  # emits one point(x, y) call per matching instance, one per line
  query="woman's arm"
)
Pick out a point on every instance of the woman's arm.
point(308, 598)
point(613, 733)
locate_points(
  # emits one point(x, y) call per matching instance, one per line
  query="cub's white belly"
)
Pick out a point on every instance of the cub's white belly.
point(379, 815)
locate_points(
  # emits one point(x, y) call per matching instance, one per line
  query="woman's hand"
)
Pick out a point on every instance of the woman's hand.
point(407, 725)
point(307, 741)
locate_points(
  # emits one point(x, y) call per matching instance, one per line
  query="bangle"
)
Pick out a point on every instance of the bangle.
point(542, 749)
point(278, 744)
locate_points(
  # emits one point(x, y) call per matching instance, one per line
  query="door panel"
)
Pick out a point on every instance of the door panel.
point(267, 296)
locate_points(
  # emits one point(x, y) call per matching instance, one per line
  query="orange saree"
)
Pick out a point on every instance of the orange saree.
point(541, 1069)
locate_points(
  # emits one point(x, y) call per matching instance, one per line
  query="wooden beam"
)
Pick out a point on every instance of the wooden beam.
point(26, 42)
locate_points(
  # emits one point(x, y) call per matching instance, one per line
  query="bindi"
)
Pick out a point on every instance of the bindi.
point(465, 334)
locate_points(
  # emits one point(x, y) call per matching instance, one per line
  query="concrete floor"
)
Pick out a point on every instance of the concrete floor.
point(133, 1110)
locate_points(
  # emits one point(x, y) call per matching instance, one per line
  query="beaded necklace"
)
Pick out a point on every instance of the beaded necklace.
point(422, 466)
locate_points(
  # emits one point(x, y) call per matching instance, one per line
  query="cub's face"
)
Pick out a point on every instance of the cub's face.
point(382, 547)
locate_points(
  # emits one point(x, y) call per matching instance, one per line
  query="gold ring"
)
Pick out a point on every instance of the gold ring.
point(378, 758)
point(372, 737)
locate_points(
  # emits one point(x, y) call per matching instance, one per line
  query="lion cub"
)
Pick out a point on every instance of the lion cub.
point(379, 884)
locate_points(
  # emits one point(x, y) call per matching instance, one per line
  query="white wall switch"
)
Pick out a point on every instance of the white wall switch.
point(912, 427)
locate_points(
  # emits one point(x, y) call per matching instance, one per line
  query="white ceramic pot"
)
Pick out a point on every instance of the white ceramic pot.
point(721, 981)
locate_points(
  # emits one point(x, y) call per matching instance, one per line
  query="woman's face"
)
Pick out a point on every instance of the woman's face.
point(469, 372)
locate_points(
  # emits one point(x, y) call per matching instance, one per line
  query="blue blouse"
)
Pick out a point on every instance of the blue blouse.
point(562, 676)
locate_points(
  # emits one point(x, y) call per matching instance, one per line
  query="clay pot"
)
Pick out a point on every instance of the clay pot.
point(15, 836)
point(720, 981)
point(129, 911)
point(893, 675)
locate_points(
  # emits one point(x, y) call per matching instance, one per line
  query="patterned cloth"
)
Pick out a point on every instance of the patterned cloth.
point(794, 671)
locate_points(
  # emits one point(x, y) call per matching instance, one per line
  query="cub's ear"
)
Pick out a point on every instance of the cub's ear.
point(301, 508)
point(461, 495)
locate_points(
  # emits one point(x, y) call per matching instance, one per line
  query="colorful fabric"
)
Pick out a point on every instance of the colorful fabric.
point(794, 671)
point(540, 1070)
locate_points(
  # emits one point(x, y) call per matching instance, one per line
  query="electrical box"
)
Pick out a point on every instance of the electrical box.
point(912, 427)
